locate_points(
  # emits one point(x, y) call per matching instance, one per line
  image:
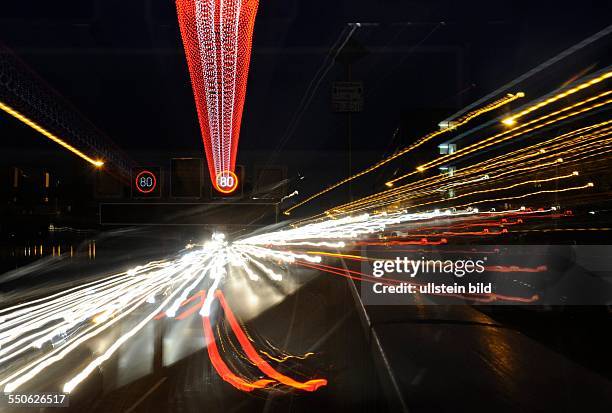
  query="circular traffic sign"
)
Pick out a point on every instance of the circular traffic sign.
point(146, 182)
point(226, 182)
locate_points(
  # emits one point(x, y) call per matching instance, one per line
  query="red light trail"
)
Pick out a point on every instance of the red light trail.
point(250, 351)
point(217, 36)
point(160, 288)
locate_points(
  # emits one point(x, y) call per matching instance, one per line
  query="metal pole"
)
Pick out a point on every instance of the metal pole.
point(349, 131)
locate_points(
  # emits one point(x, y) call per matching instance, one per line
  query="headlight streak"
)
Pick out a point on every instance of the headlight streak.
point(161, 288)
point(511, 120)
point(72, 383)
point(505, 136)
point(268, 271)
point(286, 256)
point(210, 297)
point(38, 366)
point(523, 196)
point(27, 307)
point(394, 219)
point(171, 311)
point(345, 228)
point(326, 244)
point(531, 181)
point(33, 369)
point(67, 308)
point(104, 303)
point(533, 157)
point(241, 261)
point(460, 122)
point(85, 311)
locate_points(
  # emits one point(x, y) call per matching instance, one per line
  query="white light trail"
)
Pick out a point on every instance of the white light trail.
point(88, 310)
point(331, 232)
point(79, 314)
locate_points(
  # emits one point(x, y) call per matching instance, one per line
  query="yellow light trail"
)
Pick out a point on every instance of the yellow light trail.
point(532, 181)
point(539, 149)
point(546, 191)
point(493, 140)
point(471, 170)
point(96, 162)
point(505, 170)
point(460, 122)
point(339, 255)
point(498, 164)
point(511, 120)
point(598, 153)
point(377, 203)
point(285, 358)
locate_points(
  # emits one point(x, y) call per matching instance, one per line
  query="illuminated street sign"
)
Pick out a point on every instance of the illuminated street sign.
point(146, 182)
point(228, 184)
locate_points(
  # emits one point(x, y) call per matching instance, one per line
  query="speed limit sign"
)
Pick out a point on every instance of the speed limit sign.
point(145, 182)
point(226, 182)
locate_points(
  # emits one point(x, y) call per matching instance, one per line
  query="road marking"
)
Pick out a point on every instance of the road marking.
point(144, 396)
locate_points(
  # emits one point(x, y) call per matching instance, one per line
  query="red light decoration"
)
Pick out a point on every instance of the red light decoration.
point(217, 36)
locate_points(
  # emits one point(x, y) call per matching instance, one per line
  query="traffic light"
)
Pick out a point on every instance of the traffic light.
point(146, 182)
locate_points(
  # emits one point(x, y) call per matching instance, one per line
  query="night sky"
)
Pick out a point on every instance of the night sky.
point(121, 63)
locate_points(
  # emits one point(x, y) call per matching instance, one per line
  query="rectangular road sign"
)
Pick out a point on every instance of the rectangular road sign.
point(347, 97)
point(186, 178)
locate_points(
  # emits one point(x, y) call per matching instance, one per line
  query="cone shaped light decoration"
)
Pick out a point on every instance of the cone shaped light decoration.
point(217, 35)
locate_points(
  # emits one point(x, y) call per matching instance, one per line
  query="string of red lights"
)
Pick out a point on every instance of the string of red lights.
point(217, 36)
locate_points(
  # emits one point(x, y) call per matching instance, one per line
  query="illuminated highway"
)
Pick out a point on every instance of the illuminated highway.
point(417, 218)
point(273, 314)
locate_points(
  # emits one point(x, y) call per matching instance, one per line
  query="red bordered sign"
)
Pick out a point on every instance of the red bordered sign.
point(146, 182)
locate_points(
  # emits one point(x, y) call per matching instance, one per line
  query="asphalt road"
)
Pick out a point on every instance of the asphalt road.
point(318, 317)
point(422, 358)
